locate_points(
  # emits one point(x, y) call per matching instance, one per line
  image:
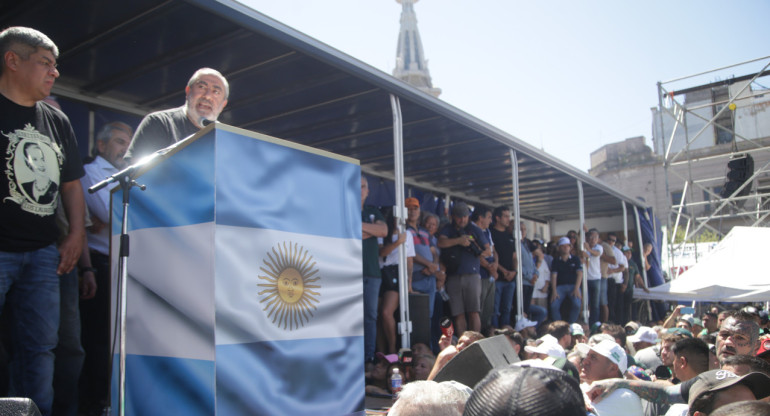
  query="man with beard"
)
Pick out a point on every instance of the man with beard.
point(206, 96)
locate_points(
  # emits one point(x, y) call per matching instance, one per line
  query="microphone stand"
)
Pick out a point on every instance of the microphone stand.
point(125, 178)
point(126, 181)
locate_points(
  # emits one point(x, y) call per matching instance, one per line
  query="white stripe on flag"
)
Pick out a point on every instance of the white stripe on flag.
point(249, 299)
point(170, 305)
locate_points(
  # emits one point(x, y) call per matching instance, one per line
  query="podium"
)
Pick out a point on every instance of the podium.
point(244, 289)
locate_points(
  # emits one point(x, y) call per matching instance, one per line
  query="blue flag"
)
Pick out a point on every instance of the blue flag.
point(245, 288)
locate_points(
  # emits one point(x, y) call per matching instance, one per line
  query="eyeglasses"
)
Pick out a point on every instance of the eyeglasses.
point(612, 241)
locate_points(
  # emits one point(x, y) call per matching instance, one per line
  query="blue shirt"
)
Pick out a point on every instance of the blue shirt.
point(469, 264)
point(527, 264)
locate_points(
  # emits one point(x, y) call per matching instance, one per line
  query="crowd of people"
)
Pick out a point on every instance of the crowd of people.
point(615, 363)
point(471, 261)
point(716, 364)
point(54, 283)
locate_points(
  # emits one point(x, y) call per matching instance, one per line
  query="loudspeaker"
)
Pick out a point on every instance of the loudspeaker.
point(474, 362)
point(419, 313)
point(18, 406)
point(739, 169)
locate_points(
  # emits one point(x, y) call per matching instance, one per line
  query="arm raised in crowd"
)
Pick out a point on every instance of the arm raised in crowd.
point(652, 391)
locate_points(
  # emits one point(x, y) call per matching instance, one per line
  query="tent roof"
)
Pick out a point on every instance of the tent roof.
point(732, 272)
point(137, 56)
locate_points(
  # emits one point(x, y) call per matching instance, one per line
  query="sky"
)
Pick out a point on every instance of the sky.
point(566, 76)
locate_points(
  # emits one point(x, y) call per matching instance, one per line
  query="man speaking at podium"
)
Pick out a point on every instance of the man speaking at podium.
point(206, 96)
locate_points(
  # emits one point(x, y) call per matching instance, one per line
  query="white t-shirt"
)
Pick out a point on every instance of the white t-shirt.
point(544, 276)
point(622, 402)
point(594, 270)
point(679, 409)
point(392, 258)
point(620, 258)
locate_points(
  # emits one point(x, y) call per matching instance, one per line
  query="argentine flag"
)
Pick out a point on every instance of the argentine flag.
point(244, 289)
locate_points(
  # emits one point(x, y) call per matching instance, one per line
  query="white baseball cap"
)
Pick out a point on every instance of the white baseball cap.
point(644, 334)
point(577, 329)
point(551, 349)
point(609, 349)
point(524, 323)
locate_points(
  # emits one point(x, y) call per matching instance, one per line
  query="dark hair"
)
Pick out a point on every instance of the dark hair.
point(704, 403)
point(695, 351)
point(498, 212)
point(673, 337)
point(726, 314)
point(478, 212)
point(617, 332)
point(559, 329)
point(756, 364)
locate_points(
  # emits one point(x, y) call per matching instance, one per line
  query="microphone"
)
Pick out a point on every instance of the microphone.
point(205, 122)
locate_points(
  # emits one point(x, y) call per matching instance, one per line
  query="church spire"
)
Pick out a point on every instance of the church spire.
point(411, 66)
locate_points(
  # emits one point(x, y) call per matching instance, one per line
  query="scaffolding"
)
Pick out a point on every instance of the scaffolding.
point(699, 130)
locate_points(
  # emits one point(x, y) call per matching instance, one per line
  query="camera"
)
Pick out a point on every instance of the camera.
point(473, 247)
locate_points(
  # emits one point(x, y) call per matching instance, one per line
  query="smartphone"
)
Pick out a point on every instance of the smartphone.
point(405, 356)
point(687, 311)
point(446, 327)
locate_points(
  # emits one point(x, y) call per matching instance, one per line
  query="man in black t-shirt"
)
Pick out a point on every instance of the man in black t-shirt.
point(505, 285)
point(206, 96)
point(43, 163)
point(566, 276)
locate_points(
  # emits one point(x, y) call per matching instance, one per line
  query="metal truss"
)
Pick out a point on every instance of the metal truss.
point(682, 165)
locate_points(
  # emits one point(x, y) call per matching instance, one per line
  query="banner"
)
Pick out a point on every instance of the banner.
point(245, 288)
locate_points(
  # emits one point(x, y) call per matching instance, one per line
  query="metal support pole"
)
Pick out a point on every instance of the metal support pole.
point(581, 207)
point(643, 266)
point(405, 323)
point(625, 221)
point(517, 235)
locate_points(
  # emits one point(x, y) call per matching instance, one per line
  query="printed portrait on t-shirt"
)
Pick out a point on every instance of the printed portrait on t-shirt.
point(34, 179)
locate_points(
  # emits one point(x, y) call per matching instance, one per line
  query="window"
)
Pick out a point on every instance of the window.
point(676, 198)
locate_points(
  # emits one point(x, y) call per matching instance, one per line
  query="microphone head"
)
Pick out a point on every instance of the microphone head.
point(205, 122)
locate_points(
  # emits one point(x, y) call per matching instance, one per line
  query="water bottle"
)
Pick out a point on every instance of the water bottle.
point(395, 382)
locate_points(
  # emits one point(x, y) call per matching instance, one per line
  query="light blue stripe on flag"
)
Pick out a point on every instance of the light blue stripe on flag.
point(281, 188)
point(166, 386)
point(299, 377)
point(181, 191)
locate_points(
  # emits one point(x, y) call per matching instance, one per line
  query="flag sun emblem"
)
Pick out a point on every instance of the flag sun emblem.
point(291, 276)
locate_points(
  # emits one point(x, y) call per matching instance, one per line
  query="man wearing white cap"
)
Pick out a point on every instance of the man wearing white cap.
point(643, 338)
point(607, 360)
point(578, 334)
point(566, 276)
point(547, 346)
point(526, 328)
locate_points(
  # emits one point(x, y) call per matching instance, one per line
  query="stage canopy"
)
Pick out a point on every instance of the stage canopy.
point(735, 271)
point(137, 56)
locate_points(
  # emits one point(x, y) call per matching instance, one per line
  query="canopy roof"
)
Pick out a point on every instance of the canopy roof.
point(734, 271)
point(137, 57)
